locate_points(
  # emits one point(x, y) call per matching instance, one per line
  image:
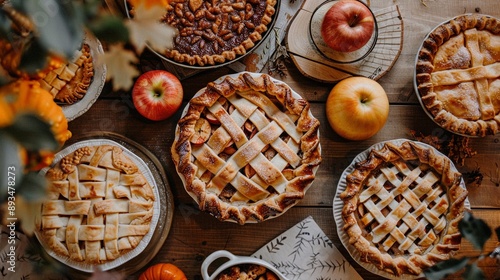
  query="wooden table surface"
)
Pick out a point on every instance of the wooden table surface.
point(194, 234)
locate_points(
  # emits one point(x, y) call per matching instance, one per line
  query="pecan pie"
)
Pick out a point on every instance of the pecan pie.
point(215, 31)
point(458, 75)
point(99, 205)
point(247, 148)
point(401, 207)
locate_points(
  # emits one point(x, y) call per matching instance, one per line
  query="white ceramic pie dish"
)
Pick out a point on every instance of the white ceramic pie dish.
point(143, 167)
point(232, 260)
point(73, 111)
point(338, 205)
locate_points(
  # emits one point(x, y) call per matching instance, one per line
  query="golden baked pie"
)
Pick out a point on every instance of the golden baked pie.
point(458, 75)
point(70, 82)
point(216, 31)
point(401, 208)
point(247, 148)
point(99, 205)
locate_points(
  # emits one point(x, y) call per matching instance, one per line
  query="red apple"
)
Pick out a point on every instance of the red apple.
point(357, 108)
point(347, 26)
point(157, 94)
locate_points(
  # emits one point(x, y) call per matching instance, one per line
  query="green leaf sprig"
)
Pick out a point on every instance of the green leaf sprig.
point(477, 232)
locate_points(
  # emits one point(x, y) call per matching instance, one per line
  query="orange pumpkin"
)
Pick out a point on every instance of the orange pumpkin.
point(163, 271)
point(6, 115)
point(27, 96)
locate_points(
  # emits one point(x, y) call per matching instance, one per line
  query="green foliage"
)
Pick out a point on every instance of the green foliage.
point(59, 29)
point(9, 161)
point(4, 27)
point(34, 57)
point(473, 272)
point(109, 28)
point(474, 230)
point(477, 232)
point(442, 269)
point(58, 23)
point(32, 187)
point(32, 133)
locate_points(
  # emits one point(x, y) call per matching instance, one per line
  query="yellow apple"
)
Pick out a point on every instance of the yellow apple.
point(357, 108)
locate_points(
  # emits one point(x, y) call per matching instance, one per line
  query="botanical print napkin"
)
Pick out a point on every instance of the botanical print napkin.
point(304, 252)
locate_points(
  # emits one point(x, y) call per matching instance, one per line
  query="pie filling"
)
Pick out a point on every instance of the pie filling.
point(244, 154)
point(99, 205)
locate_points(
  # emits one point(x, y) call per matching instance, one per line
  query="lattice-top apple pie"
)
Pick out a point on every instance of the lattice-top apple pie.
point(99, 205)
point(247, 148)
point(401, 208)
point(458, 75)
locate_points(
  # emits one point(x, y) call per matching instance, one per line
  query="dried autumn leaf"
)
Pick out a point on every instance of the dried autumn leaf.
point(146, 28)
point(119, 66)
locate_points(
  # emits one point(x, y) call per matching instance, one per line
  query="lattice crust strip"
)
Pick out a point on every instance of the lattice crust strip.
point(402, 206)
point(99, 205)
point(260, 154)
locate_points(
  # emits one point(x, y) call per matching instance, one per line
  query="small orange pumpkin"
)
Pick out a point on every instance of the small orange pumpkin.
point(27, 96)
point(163, 271)
point(6, 115)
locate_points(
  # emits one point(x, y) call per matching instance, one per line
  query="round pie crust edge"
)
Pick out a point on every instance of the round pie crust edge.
point(450, 240)
point(424, 68)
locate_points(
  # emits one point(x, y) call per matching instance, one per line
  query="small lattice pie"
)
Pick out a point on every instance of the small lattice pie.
point(458, 75)
point(99, 205)
point(402, 206)
point(70, 82)
point(247, 148)
point(216, 31)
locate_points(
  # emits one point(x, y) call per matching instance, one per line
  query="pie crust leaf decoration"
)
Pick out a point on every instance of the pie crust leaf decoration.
point(214, 32)
point(261, 151)
point(402, 205)
point(99, 205)
point(458, 75)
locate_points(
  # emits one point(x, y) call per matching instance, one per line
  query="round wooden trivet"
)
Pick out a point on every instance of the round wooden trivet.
point(312, 63)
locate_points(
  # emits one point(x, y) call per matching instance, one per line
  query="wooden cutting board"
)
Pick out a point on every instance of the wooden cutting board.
point(315, 65)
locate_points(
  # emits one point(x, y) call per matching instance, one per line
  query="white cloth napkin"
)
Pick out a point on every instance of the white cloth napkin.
point(304, 252)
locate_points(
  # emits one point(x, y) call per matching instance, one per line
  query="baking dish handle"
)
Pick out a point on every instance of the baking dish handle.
point(211, 258)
